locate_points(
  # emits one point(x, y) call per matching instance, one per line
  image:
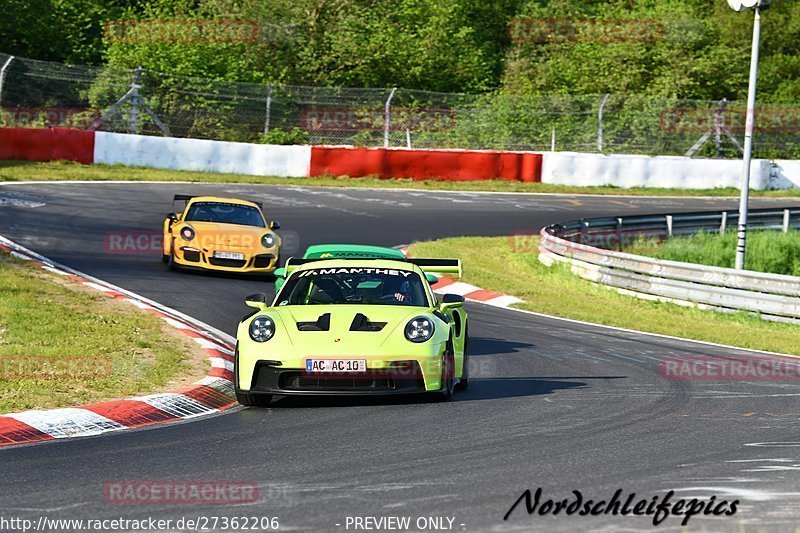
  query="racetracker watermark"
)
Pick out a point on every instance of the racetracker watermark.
point(734, 368)
point(180, 492)
point(148, 523)
point(399, 369)
point(151, 242)
point(194, 31)
point(346, 119)
point(527, 241)
point(65, 117)
point(659, 508)
point(733, 119)
point(562, 30)
point(54, 367)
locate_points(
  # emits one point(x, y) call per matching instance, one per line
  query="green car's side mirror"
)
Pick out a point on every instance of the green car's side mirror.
point(257, 300)
point(451, 300)
point(431, 278)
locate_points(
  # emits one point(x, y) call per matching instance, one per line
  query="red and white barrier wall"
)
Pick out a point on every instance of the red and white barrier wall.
point(785, 174)
point(201, 155)
point(561, 168)
point(453, 165)
point(625, 171)
point(265, 160)
point(47, 144)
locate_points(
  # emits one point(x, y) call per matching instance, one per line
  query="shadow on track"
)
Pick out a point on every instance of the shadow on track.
point(480, 389)
point(492, 346)
point(494, 388)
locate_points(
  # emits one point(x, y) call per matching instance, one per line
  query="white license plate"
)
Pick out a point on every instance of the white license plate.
point(336, 365)
point(229, 255)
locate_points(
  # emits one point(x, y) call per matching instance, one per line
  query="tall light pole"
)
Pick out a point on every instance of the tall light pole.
point(739, 6)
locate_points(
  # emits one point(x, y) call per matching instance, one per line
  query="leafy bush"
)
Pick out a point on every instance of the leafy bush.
point(285, 136)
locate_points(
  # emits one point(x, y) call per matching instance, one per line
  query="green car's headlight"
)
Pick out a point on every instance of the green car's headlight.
point(419, 329)
point(262, 328)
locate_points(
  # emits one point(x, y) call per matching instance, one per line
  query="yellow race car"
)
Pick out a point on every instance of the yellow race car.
point(223, 234)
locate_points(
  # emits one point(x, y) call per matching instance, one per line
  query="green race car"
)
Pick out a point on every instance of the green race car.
point(348, 320)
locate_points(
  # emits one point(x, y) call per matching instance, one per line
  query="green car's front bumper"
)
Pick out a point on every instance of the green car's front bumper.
point(384, 375)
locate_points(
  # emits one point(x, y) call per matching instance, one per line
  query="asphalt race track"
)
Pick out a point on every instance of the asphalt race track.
point(553, 404)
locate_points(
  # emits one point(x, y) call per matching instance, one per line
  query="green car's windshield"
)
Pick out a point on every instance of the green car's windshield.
point(353, 285)
point(242, 215)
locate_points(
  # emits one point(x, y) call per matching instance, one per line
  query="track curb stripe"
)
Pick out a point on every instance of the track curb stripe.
point(473, 293)
point(470, 292)
point(211, 394)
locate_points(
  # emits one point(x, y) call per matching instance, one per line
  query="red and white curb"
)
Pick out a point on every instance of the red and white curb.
point(207, 396)
point(447, 285)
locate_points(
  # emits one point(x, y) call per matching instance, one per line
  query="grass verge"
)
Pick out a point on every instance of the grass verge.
point(767, 251)
point(64, 170)
point(63, 344)
point(492, 263)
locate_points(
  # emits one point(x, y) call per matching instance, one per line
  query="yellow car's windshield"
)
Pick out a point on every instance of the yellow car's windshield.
point(222, 213)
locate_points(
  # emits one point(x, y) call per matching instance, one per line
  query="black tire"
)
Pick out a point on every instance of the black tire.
point(173, 266)
point(253, 400)
point(448, 376)
point(463, 383)
point(165, 258)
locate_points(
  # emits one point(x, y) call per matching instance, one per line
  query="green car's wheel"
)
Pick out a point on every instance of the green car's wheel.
point(463, 383)
point(253, 400)
point(448, 376)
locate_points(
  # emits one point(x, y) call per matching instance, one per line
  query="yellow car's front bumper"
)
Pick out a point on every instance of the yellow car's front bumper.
point(190, 257)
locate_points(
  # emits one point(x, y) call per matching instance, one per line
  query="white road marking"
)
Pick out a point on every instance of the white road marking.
point(5, 201)
point(176, 404)
point(67, 422)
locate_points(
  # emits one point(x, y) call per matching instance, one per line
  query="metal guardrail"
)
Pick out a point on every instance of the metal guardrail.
point(586, 245)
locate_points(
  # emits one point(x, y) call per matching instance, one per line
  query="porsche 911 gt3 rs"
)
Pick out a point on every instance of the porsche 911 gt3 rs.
point(354, 326)
point(224, 234)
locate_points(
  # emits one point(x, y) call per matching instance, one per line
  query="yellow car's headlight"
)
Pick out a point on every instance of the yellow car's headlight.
point(268, 240)
point(187, 233)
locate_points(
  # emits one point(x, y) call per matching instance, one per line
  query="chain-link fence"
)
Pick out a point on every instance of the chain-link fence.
point(37, 93)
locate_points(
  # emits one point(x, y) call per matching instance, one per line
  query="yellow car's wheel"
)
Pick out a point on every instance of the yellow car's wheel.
point(173, 266)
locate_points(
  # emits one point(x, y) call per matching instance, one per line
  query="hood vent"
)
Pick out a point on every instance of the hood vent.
point(323, 323)
point(362, 323)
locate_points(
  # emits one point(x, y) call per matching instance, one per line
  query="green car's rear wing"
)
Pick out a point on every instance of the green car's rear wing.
point(429, 266)
point(438, 266)
point(352, 251)
point(322, 252)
